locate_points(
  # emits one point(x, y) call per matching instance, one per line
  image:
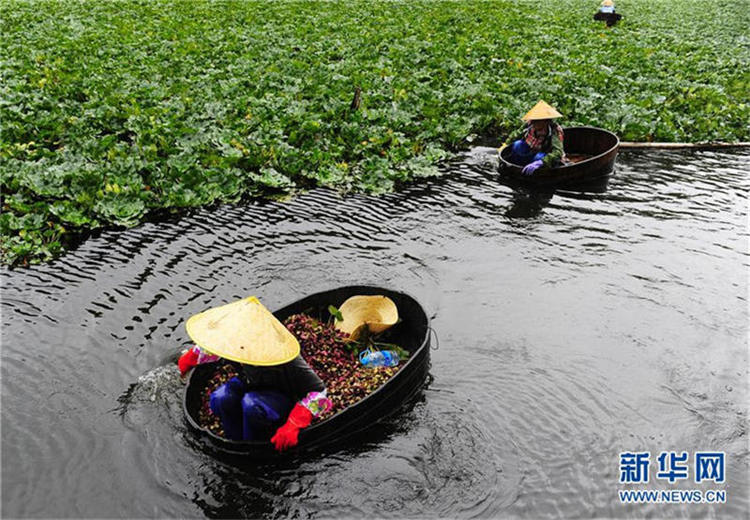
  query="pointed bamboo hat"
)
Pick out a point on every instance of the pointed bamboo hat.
point(541, 111)
point(377, 313)
point(243, 331)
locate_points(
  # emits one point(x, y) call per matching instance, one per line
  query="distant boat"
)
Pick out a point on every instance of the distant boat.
point(611, 18)
point(412, 333)
point(591, 153)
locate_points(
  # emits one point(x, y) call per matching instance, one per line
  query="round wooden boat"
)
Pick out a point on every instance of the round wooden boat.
point(593, 149)
point(610, 18)
point(412, 333)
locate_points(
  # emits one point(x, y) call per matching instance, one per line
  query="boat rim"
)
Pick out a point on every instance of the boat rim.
point(231, 442)
point(592, 158)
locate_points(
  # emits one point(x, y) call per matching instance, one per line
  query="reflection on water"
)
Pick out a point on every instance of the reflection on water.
point(527, 203)
point(572, 326)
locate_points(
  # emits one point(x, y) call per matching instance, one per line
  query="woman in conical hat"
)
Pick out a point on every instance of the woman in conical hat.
point(607, 6)
point(274, 374)
point(540, 141)
point(607, 13)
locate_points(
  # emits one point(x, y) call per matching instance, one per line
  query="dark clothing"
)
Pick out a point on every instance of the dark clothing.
point(611, 18)
point(249, 416)
point(295, 379)
point(522, 154)
point(263, 413)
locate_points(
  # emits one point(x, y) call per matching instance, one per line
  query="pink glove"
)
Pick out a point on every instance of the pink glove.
point(286, 436)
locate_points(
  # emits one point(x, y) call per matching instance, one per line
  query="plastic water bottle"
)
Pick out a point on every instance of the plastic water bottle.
point(379, 358)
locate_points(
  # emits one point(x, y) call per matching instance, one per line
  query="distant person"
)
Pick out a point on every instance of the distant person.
point(540, 141)
point(608, 6)
point(607, 13)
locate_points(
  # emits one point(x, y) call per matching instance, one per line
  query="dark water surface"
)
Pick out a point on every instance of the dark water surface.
point(571, 328)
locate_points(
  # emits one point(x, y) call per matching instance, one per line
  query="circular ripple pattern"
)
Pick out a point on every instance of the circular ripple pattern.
point(572, 327)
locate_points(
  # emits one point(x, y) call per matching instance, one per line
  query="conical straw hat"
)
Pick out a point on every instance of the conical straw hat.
point(243, 331)
point(541, 111)
point(377, 313)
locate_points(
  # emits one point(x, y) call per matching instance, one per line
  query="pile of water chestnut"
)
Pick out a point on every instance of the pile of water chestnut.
point(329, 353)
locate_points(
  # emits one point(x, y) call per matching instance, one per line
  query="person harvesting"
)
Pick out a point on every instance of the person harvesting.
point(539, 143)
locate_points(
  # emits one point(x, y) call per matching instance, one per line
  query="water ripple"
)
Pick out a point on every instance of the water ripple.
point(572, 326)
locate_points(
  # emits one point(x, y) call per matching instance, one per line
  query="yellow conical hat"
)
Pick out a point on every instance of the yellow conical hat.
point(377, 313)
point(243, 331)
point(607, 3)
point(541, 111)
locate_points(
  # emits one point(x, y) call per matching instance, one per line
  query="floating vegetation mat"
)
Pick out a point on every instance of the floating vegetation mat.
point(114, 110)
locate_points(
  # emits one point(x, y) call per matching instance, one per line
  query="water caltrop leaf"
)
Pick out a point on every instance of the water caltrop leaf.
point(140, 106)
point(335, 313)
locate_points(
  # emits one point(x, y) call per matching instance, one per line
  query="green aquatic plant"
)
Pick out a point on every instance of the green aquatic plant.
point(110, 111)
point(335, 313)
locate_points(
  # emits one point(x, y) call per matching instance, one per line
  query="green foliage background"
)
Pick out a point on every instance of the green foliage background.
point(111, 110)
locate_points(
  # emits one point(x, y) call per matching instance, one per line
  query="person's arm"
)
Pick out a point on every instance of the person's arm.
point(192, 357)
point(555, 155)
point(317, 402)
point(311, 406)
point(314, 403)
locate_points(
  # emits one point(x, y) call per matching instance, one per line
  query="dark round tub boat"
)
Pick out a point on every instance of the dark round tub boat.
point(593, 151)
point(412, 333)
point(610, 18)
